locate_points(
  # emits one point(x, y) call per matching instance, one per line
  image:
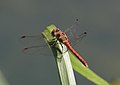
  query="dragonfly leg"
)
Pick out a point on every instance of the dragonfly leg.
point(60, 54)
point(63, 48)
point(53, 42)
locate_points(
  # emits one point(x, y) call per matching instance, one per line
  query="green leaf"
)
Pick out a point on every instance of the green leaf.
point(62, 59)
point(86, 72)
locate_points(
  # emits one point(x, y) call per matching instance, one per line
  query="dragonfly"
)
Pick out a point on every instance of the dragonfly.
point(62, 38)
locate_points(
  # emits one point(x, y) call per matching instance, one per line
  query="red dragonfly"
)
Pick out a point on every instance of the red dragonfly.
point(62, 37)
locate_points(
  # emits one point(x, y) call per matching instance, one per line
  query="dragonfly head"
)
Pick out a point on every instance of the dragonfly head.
point(55, 31)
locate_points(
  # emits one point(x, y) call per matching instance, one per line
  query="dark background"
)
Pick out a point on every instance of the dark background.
point(100, 48)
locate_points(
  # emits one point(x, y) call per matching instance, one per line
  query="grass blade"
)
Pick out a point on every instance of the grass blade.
point(62, 59)
point(86, 72)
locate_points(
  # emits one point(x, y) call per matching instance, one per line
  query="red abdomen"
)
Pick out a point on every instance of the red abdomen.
point(76, 54)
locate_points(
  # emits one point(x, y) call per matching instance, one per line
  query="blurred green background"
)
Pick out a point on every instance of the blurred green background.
point(101, 47)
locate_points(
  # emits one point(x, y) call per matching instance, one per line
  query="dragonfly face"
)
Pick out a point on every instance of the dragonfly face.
point(61, 36)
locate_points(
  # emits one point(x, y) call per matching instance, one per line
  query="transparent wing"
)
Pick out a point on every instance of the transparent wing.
point(34, 45)
point(32, 40)
point(75, 33)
